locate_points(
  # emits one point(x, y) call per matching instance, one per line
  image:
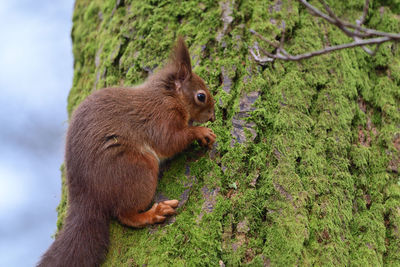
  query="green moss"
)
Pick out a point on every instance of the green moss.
point(313, 188)
point(62, 207)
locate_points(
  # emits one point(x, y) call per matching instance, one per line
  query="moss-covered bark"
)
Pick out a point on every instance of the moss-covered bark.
point(305, 171)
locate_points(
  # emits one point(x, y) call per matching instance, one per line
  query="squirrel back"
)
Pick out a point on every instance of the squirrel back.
point(115, 140)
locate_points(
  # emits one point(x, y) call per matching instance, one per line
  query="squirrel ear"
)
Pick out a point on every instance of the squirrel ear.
point(181, 59)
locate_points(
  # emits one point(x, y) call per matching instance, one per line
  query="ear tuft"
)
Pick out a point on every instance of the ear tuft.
point(181, 60)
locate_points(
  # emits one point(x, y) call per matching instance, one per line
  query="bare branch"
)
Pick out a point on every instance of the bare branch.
point(365, 32)
point(288, 57)
point(339, 23)
point(355, 31)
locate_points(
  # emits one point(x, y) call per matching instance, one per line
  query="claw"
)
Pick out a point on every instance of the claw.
point(173, 203)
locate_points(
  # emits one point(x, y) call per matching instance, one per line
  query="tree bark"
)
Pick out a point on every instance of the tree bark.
point(305, 170)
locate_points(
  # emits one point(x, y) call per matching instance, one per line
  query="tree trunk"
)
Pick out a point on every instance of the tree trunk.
point(305, 170)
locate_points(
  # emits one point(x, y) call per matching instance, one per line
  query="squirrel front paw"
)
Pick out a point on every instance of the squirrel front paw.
point(205, 136)
point(163, 209)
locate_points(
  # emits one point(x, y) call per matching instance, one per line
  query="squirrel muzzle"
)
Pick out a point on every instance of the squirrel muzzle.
point(212, 118)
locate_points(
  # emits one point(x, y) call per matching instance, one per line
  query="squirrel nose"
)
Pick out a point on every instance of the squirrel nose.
point(212, 119)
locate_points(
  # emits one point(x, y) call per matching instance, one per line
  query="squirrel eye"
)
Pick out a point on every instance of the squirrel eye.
point(201, 97)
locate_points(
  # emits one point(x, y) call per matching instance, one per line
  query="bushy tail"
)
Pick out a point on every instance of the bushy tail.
point(83, 241)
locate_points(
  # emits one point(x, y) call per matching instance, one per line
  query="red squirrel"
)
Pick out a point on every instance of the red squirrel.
point(115, 141)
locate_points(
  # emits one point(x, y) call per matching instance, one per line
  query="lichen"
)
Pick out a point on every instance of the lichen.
point(314, 182)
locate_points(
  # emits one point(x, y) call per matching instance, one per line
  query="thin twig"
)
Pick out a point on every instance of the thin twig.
point(360, 22)
point(364, 15)
point(351, 34)
point(355, 31)
point(257, 56)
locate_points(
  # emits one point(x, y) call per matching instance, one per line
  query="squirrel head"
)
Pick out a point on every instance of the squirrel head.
point(189, 86)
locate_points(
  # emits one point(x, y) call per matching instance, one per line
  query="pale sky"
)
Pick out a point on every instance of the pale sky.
point(35, 78)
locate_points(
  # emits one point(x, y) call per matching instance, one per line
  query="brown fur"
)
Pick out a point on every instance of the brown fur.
point(115, 140)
